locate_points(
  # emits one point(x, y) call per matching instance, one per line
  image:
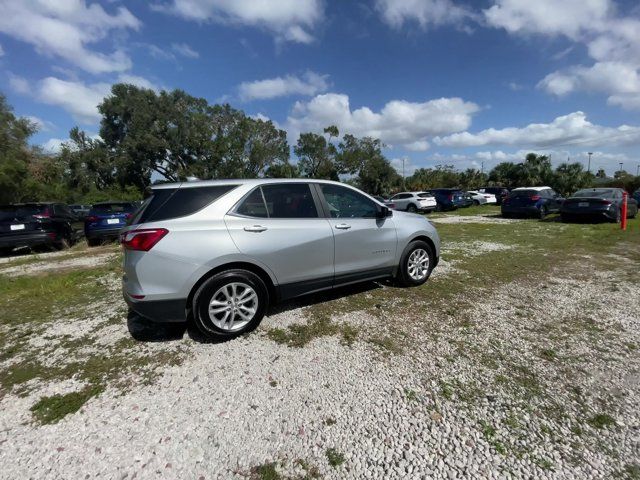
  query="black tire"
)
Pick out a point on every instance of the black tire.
point(403, 278)
point(205, 293)
point(438, 207)
point(507, 215)
point(93, 242)
point(64, 243)
point(543, 212)
point(476, 203)
point(618, 218)
point(411, 208)
point(4, 251)
point(564, 218)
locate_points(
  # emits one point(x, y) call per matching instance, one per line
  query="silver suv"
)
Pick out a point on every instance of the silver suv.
point(222, 251)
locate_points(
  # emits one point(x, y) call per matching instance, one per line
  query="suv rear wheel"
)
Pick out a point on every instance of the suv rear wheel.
point(411, 208)
point(229, 304)
point(416, 264)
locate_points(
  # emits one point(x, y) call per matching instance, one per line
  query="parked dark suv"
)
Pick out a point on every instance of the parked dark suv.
point(38, 224)
point(450, 198)
point(500, 193)
point(531, 201)
point(106, 219)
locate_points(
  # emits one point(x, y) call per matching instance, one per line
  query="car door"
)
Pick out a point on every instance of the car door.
point(400, 201)
point(365, 246)
point(555, 200)
point(281, 227)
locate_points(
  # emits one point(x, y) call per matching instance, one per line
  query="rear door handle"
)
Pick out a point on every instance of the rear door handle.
point(255, 228)
point(343, 226)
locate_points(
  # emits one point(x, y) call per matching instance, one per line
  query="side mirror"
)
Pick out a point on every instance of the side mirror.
point(384, 212)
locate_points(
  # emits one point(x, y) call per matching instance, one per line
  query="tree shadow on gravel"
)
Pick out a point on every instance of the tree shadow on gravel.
point(145, 330)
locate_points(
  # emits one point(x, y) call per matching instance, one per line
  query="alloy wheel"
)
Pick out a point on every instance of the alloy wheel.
point(418, 264)
point(233, 306)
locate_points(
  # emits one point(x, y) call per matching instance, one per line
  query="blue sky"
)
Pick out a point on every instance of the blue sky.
point(439, 81)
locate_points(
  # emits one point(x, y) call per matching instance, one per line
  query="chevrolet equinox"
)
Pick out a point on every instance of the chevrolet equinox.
point(222, 251)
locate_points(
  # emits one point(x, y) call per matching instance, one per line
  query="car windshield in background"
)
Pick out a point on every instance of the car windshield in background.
point(524, 193)
point(113, 208)
point(593, 193)
point(10, 212)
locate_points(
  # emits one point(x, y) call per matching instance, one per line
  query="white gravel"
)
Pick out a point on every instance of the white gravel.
point(61, 263)
point(233, 406)
point(456, 219)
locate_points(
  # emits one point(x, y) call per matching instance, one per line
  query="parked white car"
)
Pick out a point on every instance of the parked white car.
point(414, 201)
point(480, 198)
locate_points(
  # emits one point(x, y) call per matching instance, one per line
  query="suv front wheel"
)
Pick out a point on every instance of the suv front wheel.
point(229, 304)
point(416, 264)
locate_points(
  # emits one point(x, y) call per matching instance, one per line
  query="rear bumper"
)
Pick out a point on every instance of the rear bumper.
point(529, 210)
point(26, 240)
point(591, 212)
point(165, 311)
point(103, 233)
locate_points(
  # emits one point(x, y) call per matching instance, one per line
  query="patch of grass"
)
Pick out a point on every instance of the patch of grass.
point(548, 354)
point(266, 471)
point(631, 471)
point(601, 420)
point(53, 409)
point(329, 421)
point(299, 335)
point(273, 383)
point(543, 463)
point(334, 457)
point(446, 390)
point(489, 432)
point(411, 395)
point(387, 344)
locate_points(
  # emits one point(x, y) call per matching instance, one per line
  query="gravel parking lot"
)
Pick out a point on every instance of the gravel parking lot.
point(518, 359)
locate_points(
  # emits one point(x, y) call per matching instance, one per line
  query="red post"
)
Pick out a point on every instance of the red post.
point(623, 212)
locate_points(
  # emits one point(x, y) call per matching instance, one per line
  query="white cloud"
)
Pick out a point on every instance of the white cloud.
point(288, 20)
point(404, 164)
point(54, 145)
point(184, 50)
point(399, 122)
point(41, 125)
point(572, 129)
point(65, 29)
point(309, 83)
point(75, 97)
point(425, 12)
point(611, 40)
point(19, 84)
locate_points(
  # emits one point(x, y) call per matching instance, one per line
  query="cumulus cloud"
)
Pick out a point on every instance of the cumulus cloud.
point(53, 145)
point(424, 12)
point(41, 125)
point(572, 129)
point(79, 99)
point(65, 29)
point(308, 84)
point(612, 41)
point(399, 122)
point(288, 20)
point(139, 81)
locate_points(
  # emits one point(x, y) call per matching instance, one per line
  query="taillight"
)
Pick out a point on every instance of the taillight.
point(128, 216)
point(142, 240)
point(535, 198)
point(451, 197)
point(46, 213)
point(91, 219)
point(391, 205)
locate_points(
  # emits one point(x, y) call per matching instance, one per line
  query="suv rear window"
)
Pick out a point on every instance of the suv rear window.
point(9, 212)
point(524, 193)
point(113, 207)
point(167, 203)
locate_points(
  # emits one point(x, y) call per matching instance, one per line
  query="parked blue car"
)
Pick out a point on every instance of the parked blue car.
point(450, 198)
point(531, 202)
point(636, 196)
point(105, 221)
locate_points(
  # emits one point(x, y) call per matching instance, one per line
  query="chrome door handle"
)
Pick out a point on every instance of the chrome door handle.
point(255, 228)
point(343, 226)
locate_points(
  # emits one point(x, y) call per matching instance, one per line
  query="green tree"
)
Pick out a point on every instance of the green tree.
point(316, 157)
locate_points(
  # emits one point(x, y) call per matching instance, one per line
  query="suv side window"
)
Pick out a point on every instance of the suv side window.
point(287, 200)
point(345, 203)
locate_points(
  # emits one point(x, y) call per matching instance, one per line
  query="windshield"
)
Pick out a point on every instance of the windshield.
point(593, 193)
point(9, 212)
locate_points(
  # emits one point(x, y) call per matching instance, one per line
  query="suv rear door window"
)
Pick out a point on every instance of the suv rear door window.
point(287, 200)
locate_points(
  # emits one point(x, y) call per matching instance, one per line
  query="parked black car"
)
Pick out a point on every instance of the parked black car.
point(106, 219)
point(450, 198)
point(38, 224)
point(636, 196)
point(500, 193)
point(602, 203)
point(531, 201)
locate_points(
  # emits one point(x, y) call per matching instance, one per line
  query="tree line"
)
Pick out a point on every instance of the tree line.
point(147, 137)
